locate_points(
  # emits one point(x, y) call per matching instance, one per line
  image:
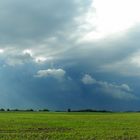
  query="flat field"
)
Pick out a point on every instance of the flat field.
point(69, 126)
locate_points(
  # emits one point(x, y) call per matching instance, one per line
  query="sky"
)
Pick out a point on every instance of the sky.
point(76, 54)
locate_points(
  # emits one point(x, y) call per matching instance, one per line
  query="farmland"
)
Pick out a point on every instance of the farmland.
point(69, 126)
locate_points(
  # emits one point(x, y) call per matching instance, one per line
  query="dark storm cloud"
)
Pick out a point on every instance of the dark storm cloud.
point(111, 54)
point(42, 60)
point(35, 20)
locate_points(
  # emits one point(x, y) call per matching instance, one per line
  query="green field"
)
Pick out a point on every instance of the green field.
point(69, 126)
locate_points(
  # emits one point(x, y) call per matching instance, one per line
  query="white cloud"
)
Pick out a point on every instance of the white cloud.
point(126, 87)
point(116, 91)
point(1, 51)
point(17, 58)
point(55, 73)
point(87, 79)
point(104, 19)
point(42, 59)
point(28, 52)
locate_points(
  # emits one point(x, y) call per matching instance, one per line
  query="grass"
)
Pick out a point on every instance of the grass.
point(69, 126)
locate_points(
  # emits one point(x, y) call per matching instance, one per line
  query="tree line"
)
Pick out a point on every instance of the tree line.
point(25, 110)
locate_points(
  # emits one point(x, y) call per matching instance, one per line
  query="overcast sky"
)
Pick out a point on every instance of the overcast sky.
point(77, 54)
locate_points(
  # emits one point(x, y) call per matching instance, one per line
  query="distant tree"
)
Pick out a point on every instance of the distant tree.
point(8, 109)
point(15, 110)
point(69, 110)
point(2, 109)
point(45, 110)
point(30, 109)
